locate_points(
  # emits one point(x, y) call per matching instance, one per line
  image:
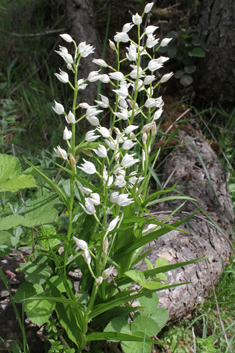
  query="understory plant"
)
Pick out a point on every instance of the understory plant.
point(107, 203)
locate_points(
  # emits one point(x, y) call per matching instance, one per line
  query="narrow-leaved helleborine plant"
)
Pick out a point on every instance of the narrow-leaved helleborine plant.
point(107, 200)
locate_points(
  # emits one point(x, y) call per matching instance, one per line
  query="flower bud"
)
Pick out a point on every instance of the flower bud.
point(147, 127)
point(143, 155)
point(117, 131)
point(72, 160)
point(166, 77)
point(105, 246)
point(106, 273)
point(100, 62)
point(165, 41)
point(99, 280)
point(66, 37)
point(67, 135)
point(117, 155)
point(87, 152)
point(60, 152)
point(112, 45)
point(148, 7)
point(87, 256)
point(84, 105)
point(81, 243)
point(154, 129)
point(58, 108)
point(144, 137)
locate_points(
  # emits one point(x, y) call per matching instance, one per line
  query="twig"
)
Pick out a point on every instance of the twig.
point(157, 339)
point(115, 284)
point(60, 30)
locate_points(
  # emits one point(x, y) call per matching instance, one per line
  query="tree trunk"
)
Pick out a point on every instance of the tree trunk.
point(215, 73)
point(207, 236)
point(81, 26)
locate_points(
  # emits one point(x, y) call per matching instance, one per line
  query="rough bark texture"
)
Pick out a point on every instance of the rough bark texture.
point(185, 168)
point(81, 26)
point(215, 74)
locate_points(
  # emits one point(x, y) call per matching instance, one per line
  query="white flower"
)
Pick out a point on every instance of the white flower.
point(60, 152)
point(116, 75)
point(99, 280)
point(120, 181)
point(136, 19)
point(151, 41)
point(88, 167)
point(149, 79)
point(123, 103)
point(93, 120)
point(85, 50)
point(144, 137)
point(122, 92)
point(133, 73)
point(70, 118)
point(128, 160)
point(165, 41)
point(104, 103)
point(95, 198)
point(156, 64)
point(112, 45)
point(103, 131)
point(58, 108)
point(65, 55)
point(123, 200)
point(143, 155)
point(139, 86)
point(92, 111)
point(122, 115)
point(122, 37)
point(105, 176)
point(148, 7)
point(66, 37)
point(86, 191)
point(81, 85)
point(81, 243)
point(132, 54)
point(62, 76)
point(101, 152)
point(150, 29)
point(147, 127)
point(90, 136)
point(166, 77)
point(89, 207)
point(87, 257)
point(127, 27)
point(84, 105)
point(93, 76)
point(114, 196)
point(154, 102)
point(104, 78)
point(157, 114)
point(67, 135)
point(128, 144)
point(100, 62)
point(111, 143)
point(105, 246)
point(113, 224)
point(130, 128)
point(106, 273)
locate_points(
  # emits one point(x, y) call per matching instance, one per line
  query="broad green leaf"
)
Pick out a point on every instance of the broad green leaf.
point(199, 52)
point(145, 324)
point(8, 164)
point(179, 73)
point(151, 284)
point(59, 284)
point(5, 238)
point(160, 315)
point(149, 264)
point(114, 336)
point(39, 311)
point(150, 302)
point(186, 80)
point(161, 262)
point(162, 276)
point(46, 231)
point(27, 290)
point(119, 324)
point(134, 347)
point(10, 222)
point(41, 211)
point(18, 182)
point(5, 250)
point(36, 272)
point(135, 275)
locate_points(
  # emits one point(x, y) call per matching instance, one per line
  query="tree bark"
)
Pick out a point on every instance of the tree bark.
point(204, 237)
point(81, 26)
point(214, 77)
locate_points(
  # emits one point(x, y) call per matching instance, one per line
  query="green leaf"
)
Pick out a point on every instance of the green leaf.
point(113, 336)
point(135, 275)
point(150, 302)
point(160, 315)
point(145, 324)
point(36, 272)
point(198, 52)
point(149, 264)
point(46, 231)
point(5, 250)
point(118, 324)
point(17, 183)
point(39, 311)
point(10, 222)
point(151, 284)
point(5, 238)
point(189, 69)
point(172, 51)
point(179, 73)
point(27, 290)
point(41, 211)
point(8, 165)
point(161, 262)
point(186, 80)
point(162, 276)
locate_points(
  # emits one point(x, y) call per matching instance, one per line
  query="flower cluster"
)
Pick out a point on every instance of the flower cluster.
point(114, 153)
